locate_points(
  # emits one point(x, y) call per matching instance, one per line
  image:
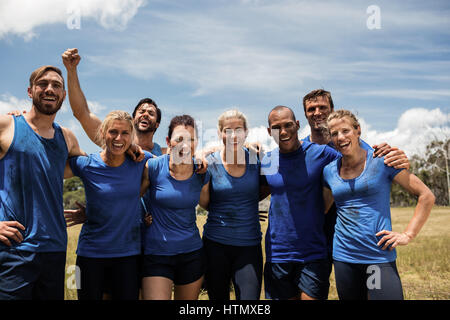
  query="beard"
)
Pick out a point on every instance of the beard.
point(150, 128)
point(45, 108)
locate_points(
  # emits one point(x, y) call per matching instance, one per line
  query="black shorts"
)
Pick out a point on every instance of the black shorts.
point(183, 268)
point(378, 281)
point(120, 275)
point(243, 265)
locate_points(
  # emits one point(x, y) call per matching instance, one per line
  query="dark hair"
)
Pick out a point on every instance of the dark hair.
point(313, 95)
point(278, 108)
point(184, 120)
point(39, 72)
point(153, 103)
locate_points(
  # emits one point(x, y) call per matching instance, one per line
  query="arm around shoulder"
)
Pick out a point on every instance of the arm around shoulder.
point(204, 196)
point(145, 182)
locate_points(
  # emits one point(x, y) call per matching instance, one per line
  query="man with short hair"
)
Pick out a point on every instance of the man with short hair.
point(297, 264)
point(146, 119)
point(33, 154)
point(317, 106)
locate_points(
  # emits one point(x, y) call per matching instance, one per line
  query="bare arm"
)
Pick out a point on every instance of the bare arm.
point(145, 182)
point(72, 143)
point(327, 199)
point(67, 171)
point(89, 121)
point(425, 202)
point(6, 133)
point(204, 197)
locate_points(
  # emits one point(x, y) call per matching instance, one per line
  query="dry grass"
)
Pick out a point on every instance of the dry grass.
point(423, 265)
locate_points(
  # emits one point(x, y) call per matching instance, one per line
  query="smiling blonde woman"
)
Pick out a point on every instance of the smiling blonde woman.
point(110, 240)
point(364, 240)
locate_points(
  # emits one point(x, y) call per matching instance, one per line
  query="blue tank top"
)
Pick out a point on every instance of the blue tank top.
point(31, 188)
point(233, 207)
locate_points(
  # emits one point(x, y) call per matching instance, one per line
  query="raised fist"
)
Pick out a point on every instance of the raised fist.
point(71, 58)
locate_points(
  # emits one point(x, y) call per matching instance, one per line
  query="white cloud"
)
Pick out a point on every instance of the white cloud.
point(267, 45)
point(10, 103)
point(415, 129)
point(21, 17)
point(96, 107)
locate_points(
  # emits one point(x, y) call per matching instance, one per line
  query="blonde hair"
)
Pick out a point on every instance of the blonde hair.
point(231, 114)
point(342, 113)
point(110, 117)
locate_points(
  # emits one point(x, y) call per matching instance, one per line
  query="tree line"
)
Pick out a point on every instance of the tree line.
point(432, 168)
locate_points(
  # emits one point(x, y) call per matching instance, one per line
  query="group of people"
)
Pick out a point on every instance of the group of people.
point(329, 203)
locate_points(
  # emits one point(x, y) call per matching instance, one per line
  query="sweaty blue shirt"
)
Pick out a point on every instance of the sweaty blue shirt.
point(172, 204)
point(363, 208)
point(112, 228)
point(31, 188)
point(156, 149)
point(233, 207)
point(296, 215)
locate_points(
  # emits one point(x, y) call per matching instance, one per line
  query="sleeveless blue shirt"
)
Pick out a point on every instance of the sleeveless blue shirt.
point(233, 207)
point(31, 188)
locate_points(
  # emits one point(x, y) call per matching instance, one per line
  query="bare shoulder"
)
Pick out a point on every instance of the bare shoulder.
point(72, 143)
point(68, 134)
point(5, 121)
point(6, 133)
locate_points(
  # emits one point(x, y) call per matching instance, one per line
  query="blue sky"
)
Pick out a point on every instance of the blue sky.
point(203, 57)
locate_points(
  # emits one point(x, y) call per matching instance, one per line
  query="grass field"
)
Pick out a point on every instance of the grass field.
point(423, 265)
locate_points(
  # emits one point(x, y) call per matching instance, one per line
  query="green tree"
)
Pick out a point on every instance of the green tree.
point(73, 191)
point(433, 169)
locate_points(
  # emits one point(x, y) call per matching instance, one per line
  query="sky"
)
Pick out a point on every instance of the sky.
point(386, 61)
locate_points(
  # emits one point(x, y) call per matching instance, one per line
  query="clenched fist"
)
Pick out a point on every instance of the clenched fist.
point(71, 58)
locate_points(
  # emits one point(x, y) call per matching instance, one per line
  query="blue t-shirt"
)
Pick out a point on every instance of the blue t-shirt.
point(331, 216)
point(172, 204)
point(156, 149)
point(363, 208)
point(233, 206)
point(112, 228)
point(296, 215)
point(31, 188)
